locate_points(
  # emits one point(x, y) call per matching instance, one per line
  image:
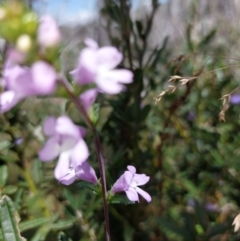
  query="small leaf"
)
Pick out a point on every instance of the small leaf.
point(63, 237)
point(3, 175)
point(4, 144)
point(217, 229)
point(41, 233)
point(63, 224)
point(94, 113)
point(10, 189)
point(9, 220)
point(30, 224)
point(120, 199)
point(87, 185)
point(172, 227)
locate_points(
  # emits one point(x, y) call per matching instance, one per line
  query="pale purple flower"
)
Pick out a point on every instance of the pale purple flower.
point(48, 34)
point(97, 65)
point(18, 141)
point(235, 99)
point(21, 82)
point(66, 141)
point(212, 207)
point(88, 97)
point(129, 182)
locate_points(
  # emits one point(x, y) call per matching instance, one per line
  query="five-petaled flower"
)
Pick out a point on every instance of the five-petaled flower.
point(96, 65)
point(66, 141)
point(129, 182)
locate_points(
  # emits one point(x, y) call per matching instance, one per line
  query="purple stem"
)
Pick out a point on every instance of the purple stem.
point(100, 158)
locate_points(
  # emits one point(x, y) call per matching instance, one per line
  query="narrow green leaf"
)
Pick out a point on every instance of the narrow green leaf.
point(41, 233)
point(217, 229)
point(10, 189)
point(201, 216)
point(1, 234)
point(172, 227)
point(3, 175)
point(4, 144)
point(120, 199)
point(30, 224)
point(9, 220)
point(63, 224)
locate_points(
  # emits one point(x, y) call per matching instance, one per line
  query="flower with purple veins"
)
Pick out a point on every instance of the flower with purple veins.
point(66, 141)
point(21, 82)
point(97, 65)
point(129, 182)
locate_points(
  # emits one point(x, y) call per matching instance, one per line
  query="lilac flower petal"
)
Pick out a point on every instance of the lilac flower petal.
point(18, 141)
point(80, 153)
point(48, 32)
point(69, 178)
point(132, 169)
point(82, 131)
point(14, 57)
point(18, 79)
point(108, 57)
point(144, 194)
point(88, 97)
point(120, 185)
point(87, 67)
point(120, 75)
point(62, 168)
point(44, 78)
point(108, 86)
point(128, 177)
point(86, 173)
point(49, 126)
point(65, 126)
point(132, 195)
point(140, 179)
point(235, 99)
point(91, 43)
point(8, 100)
point(50, 150)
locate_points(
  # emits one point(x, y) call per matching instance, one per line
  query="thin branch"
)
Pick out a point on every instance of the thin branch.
point(98, 148)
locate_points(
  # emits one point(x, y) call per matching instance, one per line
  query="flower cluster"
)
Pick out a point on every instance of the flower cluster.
point(96, 66)
point(19, 81)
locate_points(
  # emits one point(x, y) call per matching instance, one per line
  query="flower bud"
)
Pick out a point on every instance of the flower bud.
point(48, 32)
point(24, 43)
point(2, 13)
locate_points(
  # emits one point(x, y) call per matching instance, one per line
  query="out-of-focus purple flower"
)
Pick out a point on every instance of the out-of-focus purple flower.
point(18, 141)
point(48, 32)
point(212, 207)
point(21, 82)
point(235, 99)
point(191, 203)
point(14, 57)
point(88, 97)
point(66, 141)
point(191, 116)
point(129, 182)
point(97, 65)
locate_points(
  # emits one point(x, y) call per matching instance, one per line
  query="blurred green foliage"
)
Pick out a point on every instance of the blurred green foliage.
point(191, 157)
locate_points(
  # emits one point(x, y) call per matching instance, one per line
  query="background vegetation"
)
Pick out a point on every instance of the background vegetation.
point(191, 156)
